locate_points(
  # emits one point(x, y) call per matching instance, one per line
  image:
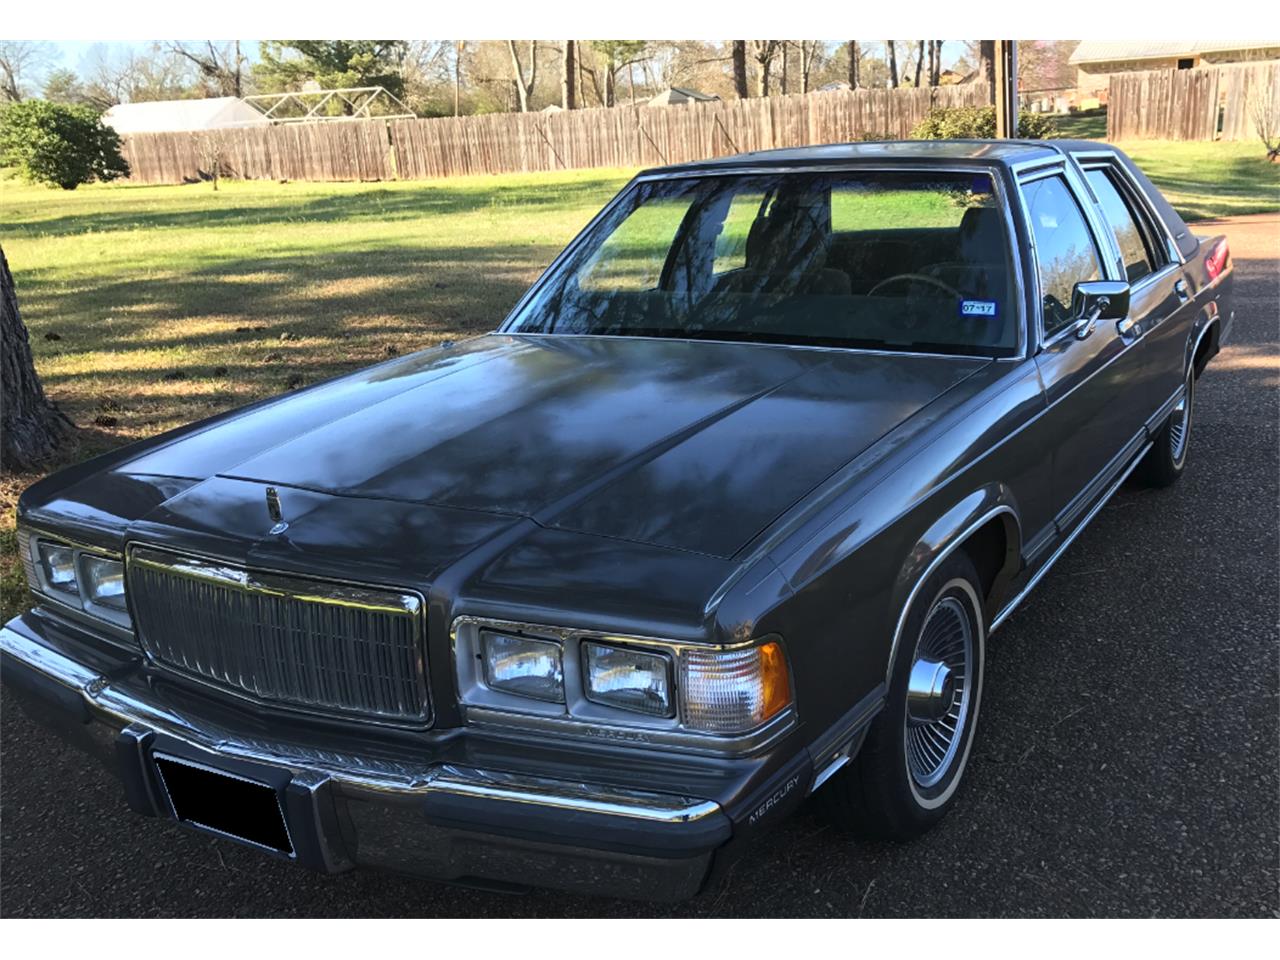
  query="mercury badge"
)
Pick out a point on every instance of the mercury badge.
point(274, 511)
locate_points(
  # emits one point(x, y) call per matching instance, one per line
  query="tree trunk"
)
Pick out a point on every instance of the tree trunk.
point(524, 88)
point(935, 62)
point(920, 62)
point(458, 47)
point(987, 65)
point(786, 64)
point(740, 69)
point(892, 54)
point(853, 64)
point(569, 78)
point(32, 428)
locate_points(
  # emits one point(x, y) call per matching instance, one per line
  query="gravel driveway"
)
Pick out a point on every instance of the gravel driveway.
point(1127, 762)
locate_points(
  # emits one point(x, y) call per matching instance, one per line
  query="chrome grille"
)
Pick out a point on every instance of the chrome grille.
point(309, 644)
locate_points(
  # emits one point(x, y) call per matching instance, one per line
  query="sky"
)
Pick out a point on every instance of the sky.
point(72, 52)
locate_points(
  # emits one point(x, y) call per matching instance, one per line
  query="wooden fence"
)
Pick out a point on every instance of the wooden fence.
point(529, 142)
point(1205, 104)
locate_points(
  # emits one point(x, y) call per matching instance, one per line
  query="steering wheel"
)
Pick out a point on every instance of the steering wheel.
point(917, 278)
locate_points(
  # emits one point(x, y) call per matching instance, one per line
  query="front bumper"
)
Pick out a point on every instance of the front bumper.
point(443, 820)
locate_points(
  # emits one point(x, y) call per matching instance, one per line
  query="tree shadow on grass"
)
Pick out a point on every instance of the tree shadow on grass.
point(357, 202)
point(142, 355)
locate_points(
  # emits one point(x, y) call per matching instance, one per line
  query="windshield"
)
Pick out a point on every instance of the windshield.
point(914, 261)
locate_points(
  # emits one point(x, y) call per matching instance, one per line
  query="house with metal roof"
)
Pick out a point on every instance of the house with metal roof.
point(162, 116)
point(677, 95)
point(1096, 60)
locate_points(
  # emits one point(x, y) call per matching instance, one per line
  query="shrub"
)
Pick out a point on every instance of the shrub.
point(978, 123)
point(60, 145)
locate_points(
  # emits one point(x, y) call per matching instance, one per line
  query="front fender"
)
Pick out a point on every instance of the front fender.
point(944, 536)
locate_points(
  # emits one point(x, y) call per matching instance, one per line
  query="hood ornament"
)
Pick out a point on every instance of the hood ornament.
point(275, 513)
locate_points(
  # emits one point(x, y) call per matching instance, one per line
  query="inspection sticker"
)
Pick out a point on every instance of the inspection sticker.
point(977, 308)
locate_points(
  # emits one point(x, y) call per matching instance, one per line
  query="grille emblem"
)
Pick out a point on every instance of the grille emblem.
point(274, 511)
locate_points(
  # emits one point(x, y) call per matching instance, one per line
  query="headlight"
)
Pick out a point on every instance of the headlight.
point(58, 568)
point(103, 587)
point(730, 691)
point(627, 689)
point(75, 577)
point(628, 679)
point(527, 668)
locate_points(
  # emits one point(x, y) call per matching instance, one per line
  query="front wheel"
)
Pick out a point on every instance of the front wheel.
point(905, 777)
point(1167, 458)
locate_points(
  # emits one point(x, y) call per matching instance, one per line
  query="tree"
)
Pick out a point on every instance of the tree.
point(569, 76)
point(764, 52)
point(60, 145)
point(1264, 111)
point(811, 52)
point(459, 48)
point(618, 54)
point(288, 64)
point(739, 56)
point(524, 88)
point(20, 60)
point(892, 54)
point(125, 75)
point(935, 62)
point(63, 86)
point(919, 61)
point(32, 428)
point(987, 64)
point(854, 58)
point(221, 65)
point(211, 147)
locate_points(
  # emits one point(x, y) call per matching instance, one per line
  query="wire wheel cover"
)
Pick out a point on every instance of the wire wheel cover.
point(945, 649)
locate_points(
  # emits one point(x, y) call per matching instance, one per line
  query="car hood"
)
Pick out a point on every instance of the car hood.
point(692, 445)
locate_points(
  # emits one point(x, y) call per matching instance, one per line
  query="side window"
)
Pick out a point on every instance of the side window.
point(1065, 251)
point(1135, 246)
point(633, 256)
point(731, 245)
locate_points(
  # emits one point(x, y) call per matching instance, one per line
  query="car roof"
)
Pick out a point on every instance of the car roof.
point(990, 152)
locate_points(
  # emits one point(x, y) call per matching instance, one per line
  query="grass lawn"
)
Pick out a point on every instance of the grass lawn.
point(1085, 125)
point(150, 307)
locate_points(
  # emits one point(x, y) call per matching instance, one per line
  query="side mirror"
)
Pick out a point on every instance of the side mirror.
point(1096, 300)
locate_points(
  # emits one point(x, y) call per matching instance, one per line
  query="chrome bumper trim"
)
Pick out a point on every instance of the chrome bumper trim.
point(117, 708)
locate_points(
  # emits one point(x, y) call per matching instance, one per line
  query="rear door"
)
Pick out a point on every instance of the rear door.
point(1160, 304)
point(1094, 422)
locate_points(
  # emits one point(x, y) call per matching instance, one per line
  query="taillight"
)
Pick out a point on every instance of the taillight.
point(1218, 258)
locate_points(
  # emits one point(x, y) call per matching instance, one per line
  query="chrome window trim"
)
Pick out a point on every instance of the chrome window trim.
point(225, 572)
point(1093, 159)
point(1131, 195)
point(1005, 200)
point(785, 346)
point(581, 719)
point(1088, 211)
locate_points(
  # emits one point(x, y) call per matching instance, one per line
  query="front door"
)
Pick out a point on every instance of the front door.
point(1091, 375)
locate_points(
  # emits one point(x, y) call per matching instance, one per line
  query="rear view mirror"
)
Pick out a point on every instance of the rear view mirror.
point(1101, 300)
point(1096, 300)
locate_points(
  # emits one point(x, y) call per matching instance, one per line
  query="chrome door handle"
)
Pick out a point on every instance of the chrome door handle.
point(1180, 288)
point(1127, 326)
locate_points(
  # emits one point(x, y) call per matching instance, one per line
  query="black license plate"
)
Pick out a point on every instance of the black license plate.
point(238, 808)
